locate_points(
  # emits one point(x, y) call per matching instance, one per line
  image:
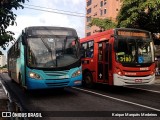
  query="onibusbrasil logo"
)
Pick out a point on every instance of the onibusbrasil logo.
point(14, 114)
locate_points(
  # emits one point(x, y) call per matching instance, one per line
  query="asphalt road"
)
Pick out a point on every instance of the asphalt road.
point(101, 103)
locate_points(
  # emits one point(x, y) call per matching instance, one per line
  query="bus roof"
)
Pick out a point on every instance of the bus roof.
point(111, 32)
point(47, 28)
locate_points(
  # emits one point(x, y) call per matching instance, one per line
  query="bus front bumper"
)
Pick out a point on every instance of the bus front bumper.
point(53, 83)
point(124, 80)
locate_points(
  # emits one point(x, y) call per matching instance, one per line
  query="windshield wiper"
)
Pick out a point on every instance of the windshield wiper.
point(50, 50)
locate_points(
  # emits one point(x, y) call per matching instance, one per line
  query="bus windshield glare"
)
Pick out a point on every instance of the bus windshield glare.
point(134, 50)
point(52, 52)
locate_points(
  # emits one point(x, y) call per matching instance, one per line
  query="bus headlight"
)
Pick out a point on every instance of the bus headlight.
point(152, 73)
point(34, 75)
point(118, 71)
point(77, 73)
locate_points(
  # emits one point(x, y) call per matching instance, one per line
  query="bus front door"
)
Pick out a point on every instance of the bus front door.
point(103, 62)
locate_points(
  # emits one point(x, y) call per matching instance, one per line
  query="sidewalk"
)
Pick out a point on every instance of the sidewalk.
point(157, 81)
point(3, 101)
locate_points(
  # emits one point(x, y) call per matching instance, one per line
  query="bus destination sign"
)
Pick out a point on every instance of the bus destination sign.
point(132, 33)
point(51, 32)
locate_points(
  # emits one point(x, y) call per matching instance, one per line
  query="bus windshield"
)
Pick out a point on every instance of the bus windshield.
point(138, 50)
point(52, 52)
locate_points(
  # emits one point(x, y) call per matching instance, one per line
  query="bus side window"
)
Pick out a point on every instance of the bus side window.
point(83, 49)
point(90, 49)
point(87, 49)
point(100, 52)
point(90, 52)
point(82, 52)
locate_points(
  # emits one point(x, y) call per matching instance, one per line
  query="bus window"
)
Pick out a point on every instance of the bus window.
point(100, 52)
point(130, 51)
point(90, 49)
point(126, 50)
point(107, 51)
point(87, 49)
point(144, 52)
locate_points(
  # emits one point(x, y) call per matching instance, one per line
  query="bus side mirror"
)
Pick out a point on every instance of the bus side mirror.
point(82, 52)
point(24, 38)
point(116, 45)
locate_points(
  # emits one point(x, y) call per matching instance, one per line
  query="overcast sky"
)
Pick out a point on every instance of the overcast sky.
point(30, 17)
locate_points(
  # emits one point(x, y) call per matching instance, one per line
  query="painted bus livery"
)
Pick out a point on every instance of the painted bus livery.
point(121, 56)
point(46, 57)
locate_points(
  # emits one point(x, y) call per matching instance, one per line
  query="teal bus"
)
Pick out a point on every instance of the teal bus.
point(45, 57)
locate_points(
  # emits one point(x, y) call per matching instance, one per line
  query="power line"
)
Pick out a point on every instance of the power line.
point(58, 11)
point(53, 9)
point(76, 15)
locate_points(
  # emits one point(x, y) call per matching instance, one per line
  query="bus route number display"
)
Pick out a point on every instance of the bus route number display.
point(132, 33)
point(125, 59)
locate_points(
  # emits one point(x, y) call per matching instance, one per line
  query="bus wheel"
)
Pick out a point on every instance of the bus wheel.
point(88, 80)
point(21, 85)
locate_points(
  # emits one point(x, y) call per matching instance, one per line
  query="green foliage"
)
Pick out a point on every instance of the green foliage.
point(7, 18)
point(143, 14)
point(103, 24)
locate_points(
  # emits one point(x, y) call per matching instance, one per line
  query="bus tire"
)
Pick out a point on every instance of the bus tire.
point(20, 83)
point(88, 80)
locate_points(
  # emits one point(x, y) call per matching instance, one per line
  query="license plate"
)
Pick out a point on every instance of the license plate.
point(138, 80)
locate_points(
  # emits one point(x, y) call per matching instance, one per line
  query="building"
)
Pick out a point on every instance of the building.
point(2, 60)
point(100, 9)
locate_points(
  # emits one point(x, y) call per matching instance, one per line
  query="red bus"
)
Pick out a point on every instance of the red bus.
point(120, 56)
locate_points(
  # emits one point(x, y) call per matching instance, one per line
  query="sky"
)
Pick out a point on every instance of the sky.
point(30, 17)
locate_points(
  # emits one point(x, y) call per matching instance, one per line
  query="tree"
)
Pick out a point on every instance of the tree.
point(143, 14)
point(7, 18)
point(103, 24)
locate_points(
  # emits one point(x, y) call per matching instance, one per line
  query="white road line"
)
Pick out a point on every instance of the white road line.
point(143, 89)
point(4, 88)
point(151, 108)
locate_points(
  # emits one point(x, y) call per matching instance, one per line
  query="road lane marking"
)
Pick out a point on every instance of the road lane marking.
point(143, 89)
point(125, 101)
point(6, 92)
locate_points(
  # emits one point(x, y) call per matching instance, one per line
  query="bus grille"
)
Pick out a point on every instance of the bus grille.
point(56, 73)
point(60, 84)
